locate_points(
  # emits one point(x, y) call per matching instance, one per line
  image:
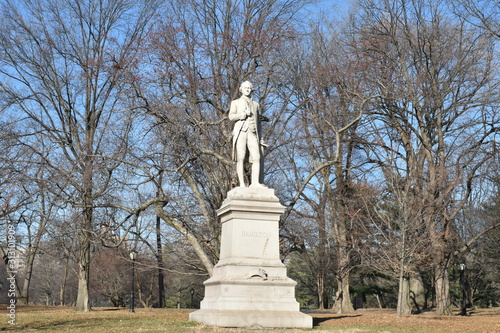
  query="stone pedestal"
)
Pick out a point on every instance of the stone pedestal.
point(249, 286)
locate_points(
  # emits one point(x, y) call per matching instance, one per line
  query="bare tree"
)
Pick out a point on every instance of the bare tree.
point(63, 66)
point(396, 243)
point(331, 101)
point(437, 76)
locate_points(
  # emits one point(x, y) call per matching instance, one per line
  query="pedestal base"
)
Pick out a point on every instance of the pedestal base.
point(249, 286)
point(252, 318)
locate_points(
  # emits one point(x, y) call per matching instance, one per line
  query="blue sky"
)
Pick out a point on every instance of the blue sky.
point(336, 7)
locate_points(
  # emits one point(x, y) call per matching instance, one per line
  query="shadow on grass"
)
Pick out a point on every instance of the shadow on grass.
point(317, 321)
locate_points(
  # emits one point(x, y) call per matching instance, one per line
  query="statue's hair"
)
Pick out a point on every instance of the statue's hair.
point(251, 85)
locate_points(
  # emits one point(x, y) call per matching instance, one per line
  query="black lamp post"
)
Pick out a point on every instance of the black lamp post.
point(192, 298)
point(133, 256)
point(463, 312)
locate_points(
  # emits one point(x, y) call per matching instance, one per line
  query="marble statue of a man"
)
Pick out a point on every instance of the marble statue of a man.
point(245, 112)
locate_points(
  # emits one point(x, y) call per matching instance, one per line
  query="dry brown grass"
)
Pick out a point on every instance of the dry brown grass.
point(109, 320)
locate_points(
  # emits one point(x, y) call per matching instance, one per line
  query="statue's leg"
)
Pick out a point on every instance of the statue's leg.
point(241, 148)
point(240, 171)
point(255, 173)
point(255, 159)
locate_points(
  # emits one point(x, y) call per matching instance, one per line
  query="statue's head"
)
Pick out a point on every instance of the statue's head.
point(246, 84)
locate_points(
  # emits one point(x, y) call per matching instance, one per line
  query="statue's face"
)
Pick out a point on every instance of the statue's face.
point(246, 89)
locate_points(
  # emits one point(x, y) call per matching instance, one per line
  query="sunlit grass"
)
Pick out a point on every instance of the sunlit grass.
point(110, 320)
point(105, 320)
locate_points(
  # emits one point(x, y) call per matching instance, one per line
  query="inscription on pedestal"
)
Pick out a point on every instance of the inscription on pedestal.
point(257, 234)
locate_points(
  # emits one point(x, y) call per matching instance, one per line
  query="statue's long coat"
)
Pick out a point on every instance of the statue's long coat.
point(237, 113)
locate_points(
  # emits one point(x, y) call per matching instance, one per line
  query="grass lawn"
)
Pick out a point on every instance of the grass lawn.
point(109, 320)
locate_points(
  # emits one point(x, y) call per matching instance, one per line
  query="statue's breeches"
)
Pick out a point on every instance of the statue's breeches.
point(248, 139)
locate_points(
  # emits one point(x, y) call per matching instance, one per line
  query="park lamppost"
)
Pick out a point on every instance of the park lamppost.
point(133, 256)
point(192, 298)
point(462, 282)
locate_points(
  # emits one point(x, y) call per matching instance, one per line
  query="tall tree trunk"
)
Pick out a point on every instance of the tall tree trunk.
point(83, 299)
point(322, 262)
point(159, 261)
point(343, 303)
point(159, 250)
point(23, 298)
point(442, 285)
point(62, 289)
point(32, 251)
point(441, 278)
point(404, 307)
point(418, 298)
point(320, 284)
